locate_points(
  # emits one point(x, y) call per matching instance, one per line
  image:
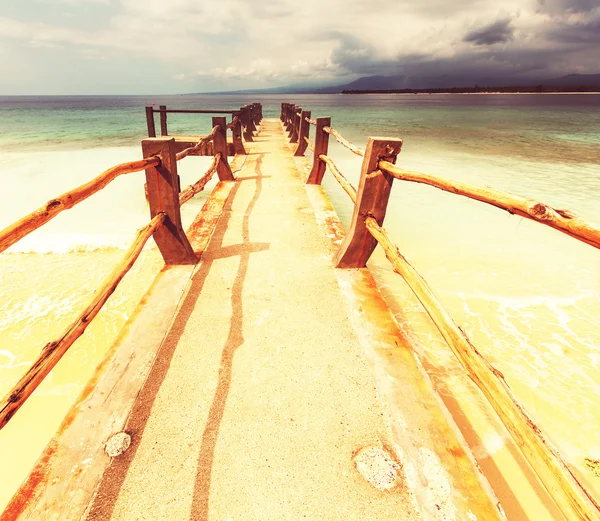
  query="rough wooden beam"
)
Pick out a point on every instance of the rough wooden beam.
point(220, 146)
point(163, 196)
point(321, 146)
point(566, 490)
point(238, 144)
point(150, 121)
point(54, 351)
point(163, 121)
point(23, 227)
point(372, 199)
point(303, 134)
point(562, 220)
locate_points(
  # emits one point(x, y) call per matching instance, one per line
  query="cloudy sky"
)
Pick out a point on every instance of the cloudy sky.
point(180, 46)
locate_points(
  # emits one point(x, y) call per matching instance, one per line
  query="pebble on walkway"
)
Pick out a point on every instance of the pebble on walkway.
point(377, 467)
point(117, 444)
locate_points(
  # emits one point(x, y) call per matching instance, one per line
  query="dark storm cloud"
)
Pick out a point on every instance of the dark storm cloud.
point(497, 32)
point(484, 65)
point(571, 6)
point(582, 33)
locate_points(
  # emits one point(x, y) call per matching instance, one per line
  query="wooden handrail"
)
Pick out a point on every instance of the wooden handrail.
point(312, 122)
point(344, 142)
point(309, 144)
point(562, 220)
point(52, 208)
point(196, 148)
point(180, 111)
point(344, 183)
point(571, 497)
point(54, 351)
point(199, 185)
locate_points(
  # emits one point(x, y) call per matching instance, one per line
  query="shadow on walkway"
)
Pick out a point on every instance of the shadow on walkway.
point(108, 492)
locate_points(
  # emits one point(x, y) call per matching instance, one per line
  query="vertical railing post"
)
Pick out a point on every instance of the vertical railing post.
point(251, 118)
point(295, 125)
point(220, 145)
point(150, 121)
point(321, 146)
point(304, 133)
point(236, 131)
point(255, 118)
point(260, 112)
point(245, 122)
point(163, 120)
point(281, 113)
point(293, 110)
point(162, 185)
point(287, 117)
point(371, 201)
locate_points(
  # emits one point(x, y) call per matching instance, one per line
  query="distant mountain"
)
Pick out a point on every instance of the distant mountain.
point(375, 83)
point(575, 80)
point(289, 89)
point(447, 81)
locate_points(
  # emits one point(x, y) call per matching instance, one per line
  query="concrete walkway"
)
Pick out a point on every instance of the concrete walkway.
point(262, 393)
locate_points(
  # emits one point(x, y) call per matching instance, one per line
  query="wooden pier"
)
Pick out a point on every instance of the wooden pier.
point(263, 376)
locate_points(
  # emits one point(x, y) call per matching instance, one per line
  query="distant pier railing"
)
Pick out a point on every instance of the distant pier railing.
point(244, 121)
point(164, 198)
point(366, 231)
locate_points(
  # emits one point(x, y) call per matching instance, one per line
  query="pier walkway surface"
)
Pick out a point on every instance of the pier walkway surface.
point(262, 391)
point(260, 384)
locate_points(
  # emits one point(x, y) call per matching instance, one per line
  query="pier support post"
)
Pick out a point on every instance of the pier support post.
point(282, 110)
point(295, 125)
point(245, 117)
point(150, 121)
point(220, 145)
point(371, 201)
point(163, 120)
point(162, 184)
point(321, 146)
point(238, 145)
point(252, 119)
point(304, 133)
point(288, 118)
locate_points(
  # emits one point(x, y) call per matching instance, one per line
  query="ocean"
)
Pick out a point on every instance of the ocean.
point(528, 296)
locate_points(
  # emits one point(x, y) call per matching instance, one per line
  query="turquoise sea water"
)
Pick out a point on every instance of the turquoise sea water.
point(528, 296)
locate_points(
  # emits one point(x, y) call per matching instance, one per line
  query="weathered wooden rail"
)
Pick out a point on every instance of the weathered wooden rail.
point(164, 198)
point(243, 121)
point(370, 203)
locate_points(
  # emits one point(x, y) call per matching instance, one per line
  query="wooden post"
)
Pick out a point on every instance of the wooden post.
point(373, 193)
point(162, 183)
point(321, 146)
point(245, 117)
point(251, 124)
point(150, 121)
point(238, 145)
point(281, 113)
point(288, 123)
point(295, 125)
point(304, 133)
point(163, 120)
point(220, 145)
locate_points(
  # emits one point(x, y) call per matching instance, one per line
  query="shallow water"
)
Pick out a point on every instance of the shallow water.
point(528, 296)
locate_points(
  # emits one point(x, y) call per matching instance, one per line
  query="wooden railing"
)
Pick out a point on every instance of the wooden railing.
point(366, 231)
point(164, 198)
point(243, 122)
